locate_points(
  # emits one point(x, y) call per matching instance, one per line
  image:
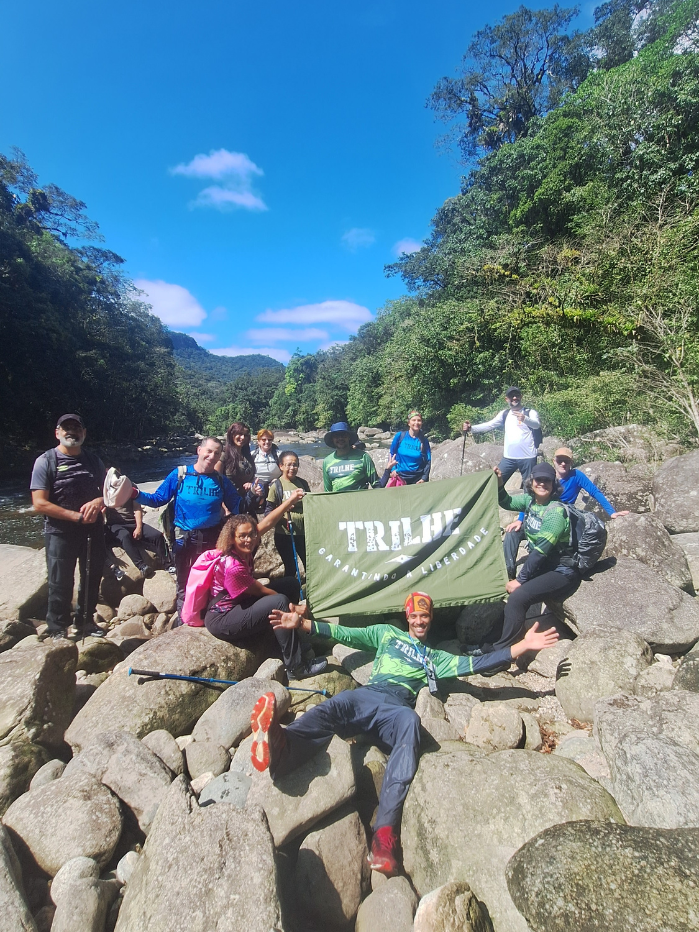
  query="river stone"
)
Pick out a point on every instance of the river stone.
point(51, 770)
point(65, 819)
point(164, 746)
point(126, 866)
point(318, 787)
point(37, 686)
point(85, 906)
point(390, 908)
point(19, 762)
point(545, 662)
point(687, 674)
point(656, 678)
point(112, 591)
point(271, 669)
point(12, 632)
point(673, 714)
point(123, 703)
point(160, 590)
point(79, 868)
point(495, 726)
point(131, 771)
point(23, 582)
point(206, 757)
point(14, 914)
point(163, 623)
point(465, 815)
point(205, 869)
point(451, 908)
point(227, 721)
point(132, 605)
point(332, 872)
point(358, 663)
point(655, 781)
point(643, 538)
point(627, 489)
point(596, 875)
point(135, 627)
point(676, 495)
point(231, 788)
point(603, 662)
point(690, 547)
point(98, 655)
point(106, 612)
point(632, 596)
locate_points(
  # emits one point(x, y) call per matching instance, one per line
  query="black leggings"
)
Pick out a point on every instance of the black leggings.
point(151, 539)
point(549, 585)
point(249, 619)
point(285, 549)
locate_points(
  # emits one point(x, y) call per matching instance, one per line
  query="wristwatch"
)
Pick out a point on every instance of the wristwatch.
point(81, 518)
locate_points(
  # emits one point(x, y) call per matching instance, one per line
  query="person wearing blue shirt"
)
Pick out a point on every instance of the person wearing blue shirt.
point(573, 482)
point(199, 495)
point(412, 452)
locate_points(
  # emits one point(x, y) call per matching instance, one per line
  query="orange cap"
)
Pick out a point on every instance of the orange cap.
point(418, 602)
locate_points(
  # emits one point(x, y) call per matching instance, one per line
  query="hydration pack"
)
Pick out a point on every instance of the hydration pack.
point(588, 538)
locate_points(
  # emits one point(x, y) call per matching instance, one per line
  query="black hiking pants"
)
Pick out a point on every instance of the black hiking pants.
point(63, 551)
point(285, 549)
point(151, 539)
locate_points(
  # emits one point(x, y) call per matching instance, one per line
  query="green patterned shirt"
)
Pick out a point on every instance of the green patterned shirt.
point(547, 526)
point(349, 473)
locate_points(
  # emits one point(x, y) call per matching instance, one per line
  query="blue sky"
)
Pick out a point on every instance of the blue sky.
point(255, 164)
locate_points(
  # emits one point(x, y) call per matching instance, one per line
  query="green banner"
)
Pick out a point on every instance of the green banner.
point(367, 550)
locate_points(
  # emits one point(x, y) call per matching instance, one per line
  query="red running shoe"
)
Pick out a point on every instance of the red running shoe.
point(384, 846)
point(264, 725)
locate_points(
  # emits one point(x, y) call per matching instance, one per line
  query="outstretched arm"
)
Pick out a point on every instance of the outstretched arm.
point(269, 520)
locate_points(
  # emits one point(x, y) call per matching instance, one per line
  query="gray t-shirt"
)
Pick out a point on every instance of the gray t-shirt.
point(79, 479)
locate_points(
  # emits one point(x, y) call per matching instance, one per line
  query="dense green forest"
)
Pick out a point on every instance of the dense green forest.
point(568, 260)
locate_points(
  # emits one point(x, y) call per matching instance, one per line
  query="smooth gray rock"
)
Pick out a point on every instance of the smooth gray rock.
point(23, 582)
point(232, 788)
point(655, 781)
point(459, 708)
point(132, 605)
point(451, 908)
point(687, 674)
point(495, 726)
point(358, 663)
point(123, 703)
point(673, 714)
point(676, 495)
point(126, 866)
point(600, 876)
point(52, 770)
point(65, 819)
point(429, 706)
point(271, 669)
point(643, 538)
point(335, 680)
point(532, 732)
point(603, 662)
point(627, 488)
point(131, 771)
point(466, 815)
point(390, 908)
point(690, 547)
point(206, 757)
point(545, 662)
point(440, 730)
point(19, 762)
point(586, 752)
point(656, 678)
point(164, 746)
point(632, 596)
point(37, 686)
point(12, 632)
point(205, 869)
point(85, 906)
point(14, 913)
point(332, 872)
point(317, 788)
point(227, 721)
point(80, 868)
point(160, 590)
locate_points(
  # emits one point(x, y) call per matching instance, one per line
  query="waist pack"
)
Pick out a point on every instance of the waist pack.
point(199, 583)
point(588, 538)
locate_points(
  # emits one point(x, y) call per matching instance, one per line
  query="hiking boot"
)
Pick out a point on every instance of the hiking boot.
point(268, 738)
point(146, 571)
point(90, 631)
point(309, 668)
point(472, 650)
point(172, 570)
point(117, 572)
point(384, 850)
point(56, 636)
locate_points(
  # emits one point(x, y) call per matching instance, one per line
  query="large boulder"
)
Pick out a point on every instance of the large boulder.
point(24, 584)
point(495, 726)
point(687, 675)
point(676, 495)
point(227, 721)
point(139, 705)
point(14, 914)
point(627, 489)
point(673, 714)
point(65, 819)
point(466, 815)
point(603, 662)
point(311, 470)
point(85, 906)
point(451, 459)
point(160, 590)
point(632, 596)
point(644, 538)
point(37, 687)
point(203, 870)
point(12, 632)
point(597, 875)
point(19, 761)
point(451, 908)
point(131, 771)
point(267, 560)
point(332, 872)
point(690, 547)
point(655, 781)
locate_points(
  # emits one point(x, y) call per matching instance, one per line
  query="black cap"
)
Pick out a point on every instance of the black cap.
point(544, 471)
point(70, 417)
point(513, 390)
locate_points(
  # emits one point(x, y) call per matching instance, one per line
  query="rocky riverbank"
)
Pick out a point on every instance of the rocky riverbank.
point(562, 794)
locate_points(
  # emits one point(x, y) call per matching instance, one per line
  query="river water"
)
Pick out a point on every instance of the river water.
point(19, 523)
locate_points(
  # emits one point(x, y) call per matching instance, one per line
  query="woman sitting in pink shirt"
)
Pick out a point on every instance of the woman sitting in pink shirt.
point(240, 605)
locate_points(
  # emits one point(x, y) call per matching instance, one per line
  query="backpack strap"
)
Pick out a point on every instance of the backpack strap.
point(278, 490)
point(423, 442)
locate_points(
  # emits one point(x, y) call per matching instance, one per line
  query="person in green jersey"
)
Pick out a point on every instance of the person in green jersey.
point(383, 709)
point(280, 490)
point(347, 469)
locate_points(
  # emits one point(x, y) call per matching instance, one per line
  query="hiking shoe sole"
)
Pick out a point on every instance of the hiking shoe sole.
point(261, 722)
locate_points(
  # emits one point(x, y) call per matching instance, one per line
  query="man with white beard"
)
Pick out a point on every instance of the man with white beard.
point(66, 486)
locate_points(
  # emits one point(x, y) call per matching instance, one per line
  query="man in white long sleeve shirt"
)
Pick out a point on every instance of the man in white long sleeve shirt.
point(519, 424)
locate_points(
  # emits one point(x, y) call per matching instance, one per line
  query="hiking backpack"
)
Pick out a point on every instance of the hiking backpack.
point(198, 591)
point(537, 432)
point(588, 537)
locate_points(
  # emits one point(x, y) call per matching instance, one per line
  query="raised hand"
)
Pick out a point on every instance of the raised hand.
point(539, 640)
point(288, 620)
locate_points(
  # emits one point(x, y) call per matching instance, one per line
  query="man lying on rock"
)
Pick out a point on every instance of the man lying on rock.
point(383, 709)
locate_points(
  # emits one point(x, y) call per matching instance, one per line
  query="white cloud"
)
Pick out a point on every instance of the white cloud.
point(234, 171)
point(286, 335)
point(281, 355)
point(358, 238)
point(203, 337)
point(333, 343)
point(406, 245)
point(343, 314)
point(173, 304)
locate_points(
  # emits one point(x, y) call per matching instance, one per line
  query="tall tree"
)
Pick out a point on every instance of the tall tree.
point(511, 73)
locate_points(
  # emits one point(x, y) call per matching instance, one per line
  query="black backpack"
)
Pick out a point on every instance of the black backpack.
point(588, 537)
point(537, 432)
point(94, 464)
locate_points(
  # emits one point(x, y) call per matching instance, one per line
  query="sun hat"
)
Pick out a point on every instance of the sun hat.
point(340, 427)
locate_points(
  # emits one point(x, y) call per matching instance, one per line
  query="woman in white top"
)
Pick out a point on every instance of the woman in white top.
point(265, 458)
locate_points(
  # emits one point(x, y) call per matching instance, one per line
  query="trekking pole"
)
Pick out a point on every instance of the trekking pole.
point(463, 453)
point(296, 559)
point(203, 679)
point(86, 596)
